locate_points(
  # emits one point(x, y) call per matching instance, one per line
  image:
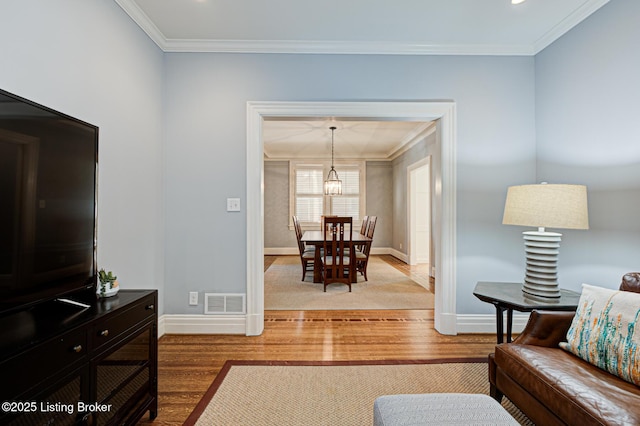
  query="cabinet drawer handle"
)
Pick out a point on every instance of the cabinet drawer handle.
point(150, 307)
point(77, 349)
point(104, 333)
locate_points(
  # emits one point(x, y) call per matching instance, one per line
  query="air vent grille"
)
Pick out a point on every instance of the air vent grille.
point(224, 303)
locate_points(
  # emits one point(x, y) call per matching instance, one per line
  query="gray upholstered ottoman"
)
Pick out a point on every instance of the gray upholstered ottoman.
point(439, 409)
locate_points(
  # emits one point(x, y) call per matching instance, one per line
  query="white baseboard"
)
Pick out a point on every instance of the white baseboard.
point(237, 324)
point(486, 323)
point(255, 324)
point(281, 251)
point(160, 326)
point(447, 324)
point(203, 324)
point(395, 253)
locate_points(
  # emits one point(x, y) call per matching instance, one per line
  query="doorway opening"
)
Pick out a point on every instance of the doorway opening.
point(444, 197)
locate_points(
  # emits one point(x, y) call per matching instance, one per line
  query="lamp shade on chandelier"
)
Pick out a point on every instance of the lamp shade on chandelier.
point(333, 184)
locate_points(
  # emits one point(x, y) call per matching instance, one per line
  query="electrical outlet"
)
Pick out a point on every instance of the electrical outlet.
point(193, 298)
point(400, 246)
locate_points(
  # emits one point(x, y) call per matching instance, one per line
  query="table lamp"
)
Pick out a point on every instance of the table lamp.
point(545, 206)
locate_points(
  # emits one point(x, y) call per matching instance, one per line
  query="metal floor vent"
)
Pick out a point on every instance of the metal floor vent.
point(224, 303)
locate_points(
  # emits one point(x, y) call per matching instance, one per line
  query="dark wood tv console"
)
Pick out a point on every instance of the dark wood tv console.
point(62, 364)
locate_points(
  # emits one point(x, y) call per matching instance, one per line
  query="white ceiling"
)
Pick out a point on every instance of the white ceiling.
point(478, 27)
point(353, 139)
point(410, 27)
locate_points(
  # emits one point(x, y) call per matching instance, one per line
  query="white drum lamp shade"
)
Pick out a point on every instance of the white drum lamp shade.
point(545, 206)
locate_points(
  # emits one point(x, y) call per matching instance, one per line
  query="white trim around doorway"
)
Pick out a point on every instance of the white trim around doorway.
point(445, 195)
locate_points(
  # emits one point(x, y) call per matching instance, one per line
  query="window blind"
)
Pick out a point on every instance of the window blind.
point(348, 204)
point(309, 194)
point(307, 191)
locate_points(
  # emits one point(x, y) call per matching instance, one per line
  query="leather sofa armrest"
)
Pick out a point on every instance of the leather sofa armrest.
point(631, 282)
point(546, 328)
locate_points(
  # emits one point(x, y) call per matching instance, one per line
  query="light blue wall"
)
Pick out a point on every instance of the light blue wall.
point(578, 98)
point(205, 130)
point(587, 114)
point(89, 60)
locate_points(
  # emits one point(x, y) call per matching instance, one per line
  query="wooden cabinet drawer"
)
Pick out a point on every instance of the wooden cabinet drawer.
point(111, 328)
point(52, 357)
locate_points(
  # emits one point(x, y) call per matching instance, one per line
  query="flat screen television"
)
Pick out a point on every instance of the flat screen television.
point(48, 204)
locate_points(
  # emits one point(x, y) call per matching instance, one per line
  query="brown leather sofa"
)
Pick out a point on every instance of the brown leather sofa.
point(554, 387)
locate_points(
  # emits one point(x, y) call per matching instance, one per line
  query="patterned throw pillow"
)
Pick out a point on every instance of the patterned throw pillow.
point(603, 331)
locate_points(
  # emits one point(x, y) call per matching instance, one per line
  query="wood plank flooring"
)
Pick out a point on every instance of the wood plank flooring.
point(189, 363)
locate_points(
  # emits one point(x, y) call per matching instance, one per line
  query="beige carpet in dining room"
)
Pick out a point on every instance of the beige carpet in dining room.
point(387, 288)
point(255, 393)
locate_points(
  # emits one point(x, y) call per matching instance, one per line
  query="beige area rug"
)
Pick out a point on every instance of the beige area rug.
point(387, 288)
point(329, 393)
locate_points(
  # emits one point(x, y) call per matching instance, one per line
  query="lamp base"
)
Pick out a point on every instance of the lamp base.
point(541, 278)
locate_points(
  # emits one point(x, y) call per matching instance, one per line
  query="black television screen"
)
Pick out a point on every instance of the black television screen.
point(48, 177)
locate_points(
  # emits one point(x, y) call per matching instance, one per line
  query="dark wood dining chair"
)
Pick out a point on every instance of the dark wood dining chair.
point(362, 256)
point(365, 223)
point(336, 259)
point(363, 231)
point(371, 226)
point(307, 254)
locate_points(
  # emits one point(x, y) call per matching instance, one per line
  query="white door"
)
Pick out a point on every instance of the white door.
point(420, 212)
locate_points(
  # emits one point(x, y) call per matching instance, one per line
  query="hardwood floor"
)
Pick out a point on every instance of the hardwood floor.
point(418, 273)
point(189, 363)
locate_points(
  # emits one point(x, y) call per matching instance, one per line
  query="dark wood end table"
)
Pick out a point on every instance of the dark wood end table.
point(509, 297)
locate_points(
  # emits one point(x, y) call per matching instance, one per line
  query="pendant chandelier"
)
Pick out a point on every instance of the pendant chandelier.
point(333, 185)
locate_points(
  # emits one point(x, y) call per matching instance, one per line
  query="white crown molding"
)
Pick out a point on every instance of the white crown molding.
point(411, 140)
point(353, 47)
point(311, 47)
point(139, 17)
point(577, 16)
point(340, 47)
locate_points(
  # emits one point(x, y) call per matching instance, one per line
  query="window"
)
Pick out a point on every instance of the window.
point(308, 201)
point(308, 194)
point(348, 204)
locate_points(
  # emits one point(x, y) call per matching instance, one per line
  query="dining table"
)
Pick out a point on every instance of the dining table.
point(316, 238)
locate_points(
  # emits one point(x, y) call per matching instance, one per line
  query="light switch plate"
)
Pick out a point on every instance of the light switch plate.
point(233, 204)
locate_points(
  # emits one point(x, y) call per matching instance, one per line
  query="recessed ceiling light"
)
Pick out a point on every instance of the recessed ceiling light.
point(517, 1)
